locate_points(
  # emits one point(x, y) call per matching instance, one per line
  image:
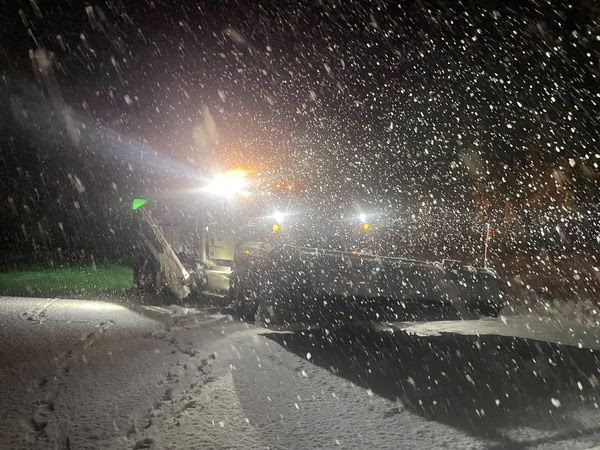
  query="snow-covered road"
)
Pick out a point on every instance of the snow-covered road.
point(84, 374)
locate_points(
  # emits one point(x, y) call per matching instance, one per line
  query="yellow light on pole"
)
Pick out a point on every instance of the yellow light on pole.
point(365, 226)
point(275, 227)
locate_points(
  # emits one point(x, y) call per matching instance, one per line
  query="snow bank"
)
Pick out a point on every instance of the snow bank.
point(583, 311)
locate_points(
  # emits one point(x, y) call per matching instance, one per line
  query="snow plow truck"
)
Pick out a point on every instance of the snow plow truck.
point(278, 269)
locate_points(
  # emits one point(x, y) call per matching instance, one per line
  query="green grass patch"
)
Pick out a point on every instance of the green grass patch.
point(66, 281)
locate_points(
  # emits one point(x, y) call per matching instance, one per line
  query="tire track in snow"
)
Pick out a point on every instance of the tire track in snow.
point(44, 425)
point(37, 315)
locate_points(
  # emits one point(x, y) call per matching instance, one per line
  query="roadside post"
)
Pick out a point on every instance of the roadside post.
point(488, 234)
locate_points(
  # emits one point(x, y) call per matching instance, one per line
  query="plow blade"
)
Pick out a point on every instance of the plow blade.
point(306, 283)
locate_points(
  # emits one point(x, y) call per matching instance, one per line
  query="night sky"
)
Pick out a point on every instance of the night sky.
point(480, 109)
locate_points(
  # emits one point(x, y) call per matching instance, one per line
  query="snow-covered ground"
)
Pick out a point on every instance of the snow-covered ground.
point(80, 374)
point(263, 396)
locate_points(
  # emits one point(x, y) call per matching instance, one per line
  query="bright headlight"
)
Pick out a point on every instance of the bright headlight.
point(278, 216)
point(228, 184)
